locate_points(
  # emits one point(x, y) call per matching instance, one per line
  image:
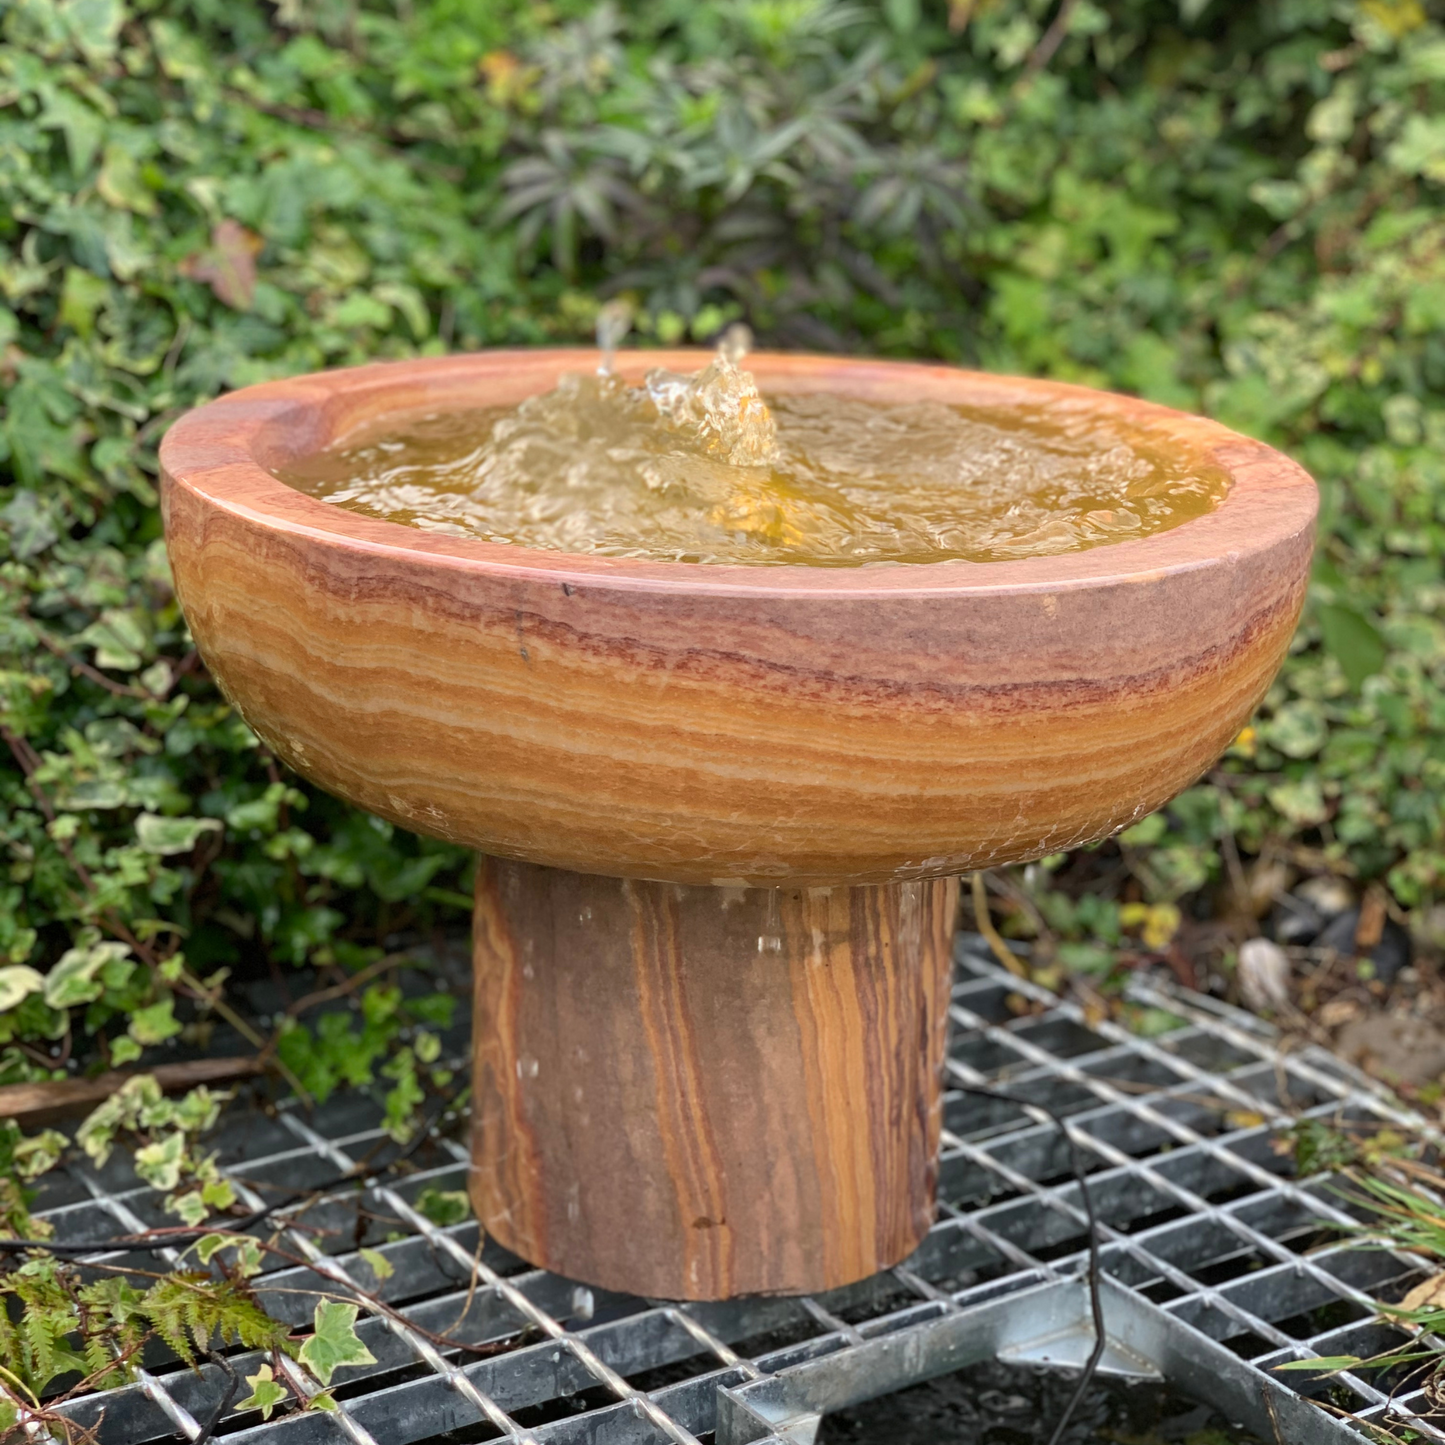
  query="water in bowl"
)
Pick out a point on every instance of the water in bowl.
point(703, 468)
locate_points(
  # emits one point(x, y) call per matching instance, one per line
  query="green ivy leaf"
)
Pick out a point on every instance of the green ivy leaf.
point(381, 1267)
point(156, 1024)
point(444, 1206)
point(335, 1344)
point(118, 637)
point(1085, 957)
point(82, 296)
point(1420, 149)
point(1352, 640)
point(218, 1193)
point(28, 524)
point(124, 1051)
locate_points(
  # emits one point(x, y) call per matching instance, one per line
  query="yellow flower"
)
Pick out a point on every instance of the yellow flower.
point(1157, 923)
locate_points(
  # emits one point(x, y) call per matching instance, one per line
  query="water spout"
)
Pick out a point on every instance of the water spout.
point(614, 321)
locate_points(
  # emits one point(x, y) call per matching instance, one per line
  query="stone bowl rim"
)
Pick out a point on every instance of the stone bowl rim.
point(223, 449)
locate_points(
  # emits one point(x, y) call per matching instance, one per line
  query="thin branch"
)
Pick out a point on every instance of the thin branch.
point(213, 999)
point(1020, 895)
point(58, 1096)
point(1052, 38)
point(84, 669)
point(992, 936)
point(341, 990)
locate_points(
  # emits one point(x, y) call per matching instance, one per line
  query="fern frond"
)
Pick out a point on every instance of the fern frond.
point(187, 1310)
point(39, 1347)
point(168, 1305)
point(98, 1358)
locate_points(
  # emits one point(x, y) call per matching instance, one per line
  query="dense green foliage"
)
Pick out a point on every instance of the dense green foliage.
point(1228, 207)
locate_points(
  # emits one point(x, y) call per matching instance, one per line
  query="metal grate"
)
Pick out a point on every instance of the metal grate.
point(1216, 1265)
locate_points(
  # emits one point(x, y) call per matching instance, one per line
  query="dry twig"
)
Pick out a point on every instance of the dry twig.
point(36, 1103)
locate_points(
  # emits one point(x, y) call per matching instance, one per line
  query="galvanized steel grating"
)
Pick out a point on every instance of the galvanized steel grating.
point(1218, 1264)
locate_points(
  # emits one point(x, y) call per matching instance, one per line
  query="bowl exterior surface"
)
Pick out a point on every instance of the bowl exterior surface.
point(726, 724)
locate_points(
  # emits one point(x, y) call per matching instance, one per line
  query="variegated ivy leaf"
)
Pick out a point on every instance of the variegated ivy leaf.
point(35, 1155)
point(75, 978)
point(189, 1207)
point(207, 1246)
point(140, 1105)
point(29, 524)
point(266, 1392)
point(246, 1259)
point(160, 1164)
point(17, 983)
point(334, 1344)
point(165, 836)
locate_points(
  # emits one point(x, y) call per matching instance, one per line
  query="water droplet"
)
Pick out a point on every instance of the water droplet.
point(770, 940)
point(910, 922)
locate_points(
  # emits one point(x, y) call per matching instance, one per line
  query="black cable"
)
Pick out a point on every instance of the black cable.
point(233, 1384)
point(1096, 1302)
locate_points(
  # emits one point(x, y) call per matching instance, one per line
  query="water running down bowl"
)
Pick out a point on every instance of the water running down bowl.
point(721, 807)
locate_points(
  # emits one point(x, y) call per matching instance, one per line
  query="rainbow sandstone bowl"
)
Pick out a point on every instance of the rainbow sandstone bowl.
point(812, 747)
point(702, 723)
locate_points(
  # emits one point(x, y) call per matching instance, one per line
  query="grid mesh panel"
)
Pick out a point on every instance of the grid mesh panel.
point(1204, 1232)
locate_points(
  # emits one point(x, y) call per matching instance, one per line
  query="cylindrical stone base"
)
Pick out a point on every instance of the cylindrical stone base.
point(696, 1093)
